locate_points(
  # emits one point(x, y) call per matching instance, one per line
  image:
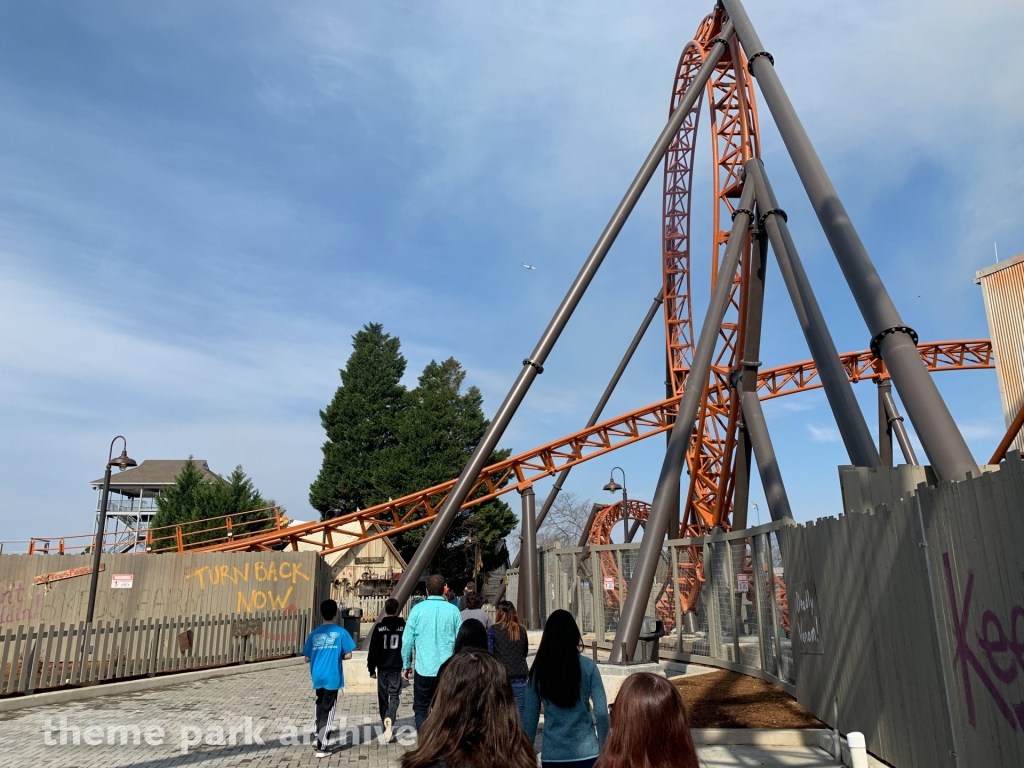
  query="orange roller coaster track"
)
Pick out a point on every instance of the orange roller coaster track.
point(732, 114)
point(731, 108)
point(419, 508)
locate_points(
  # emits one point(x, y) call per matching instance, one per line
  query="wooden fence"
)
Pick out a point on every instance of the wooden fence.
point(34, 659)
point(373, 606)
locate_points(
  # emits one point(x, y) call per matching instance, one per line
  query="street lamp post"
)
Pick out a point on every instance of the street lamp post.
point(122, 461)
point(613, 487)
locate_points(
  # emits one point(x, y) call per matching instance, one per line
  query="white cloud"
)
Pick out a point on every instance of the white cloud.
point(982, 431)
point(551, 107)
point(823, 433)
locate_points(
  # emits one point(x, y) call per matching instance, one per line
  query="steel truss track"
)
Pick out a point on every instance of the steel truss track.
point(734, 139)
point(420, 508)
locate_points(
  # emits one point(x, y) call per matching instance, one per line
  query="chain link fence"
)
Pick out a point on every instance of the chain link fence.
point(721, 598)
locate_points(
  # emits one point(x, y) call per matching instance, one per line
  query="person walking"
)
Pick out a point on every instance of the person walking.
point(325, 649)
point(475, 609)
point(469, 589)
point(430, 632)
point(474, 721)
point(649, 727)
point(569, 686)
point(507, 640)
point(384, 660)
point(472, 637)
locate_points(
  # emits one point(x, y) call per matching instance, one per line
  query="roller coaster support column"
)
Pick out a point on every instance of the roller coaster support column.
point(895, 424)
point(675, 520)
point(849, 418)
point(560, 480)
point(748, 374)
point(891, 340)
point(675, 455)
point(534, 364)
point(764, 453)
point(529, 586)
point(585, 533)
point(884, 430)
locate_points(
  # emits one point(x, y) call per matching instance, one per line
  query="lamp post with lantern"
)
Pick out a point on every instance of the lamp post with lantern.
point(613, 487)
point(123, 461)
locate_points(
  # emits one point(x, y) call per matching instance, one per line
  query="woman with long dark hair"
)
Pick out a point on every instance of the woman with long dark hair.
point(569, 686)
point(506, 639)
point(649, 727)
point(473, 721)
point(471, 636)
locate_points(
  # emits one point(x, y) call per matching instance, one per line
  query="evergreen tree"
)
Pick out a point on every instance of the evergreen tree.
point(437, 433)
point(178, 503)
point(360, 424)
point(384, 442)
point(194, 498)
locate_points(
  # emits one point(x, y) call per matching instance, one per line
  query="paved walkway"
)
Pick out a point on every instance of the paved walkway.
point(252, 720)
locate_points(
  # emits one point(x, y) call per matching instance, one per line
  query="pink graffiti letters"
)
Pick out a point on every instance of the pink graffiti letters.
point(14, 608)
point(964, 655)
point(994, 645)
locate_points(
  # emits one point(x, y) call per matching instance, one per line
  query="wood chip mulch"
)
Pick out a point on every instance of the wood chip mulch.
point(724, 699)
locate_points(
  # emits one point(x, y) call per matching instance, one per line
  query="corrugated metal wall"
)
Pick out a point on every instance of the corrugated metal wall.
point(921, 609)
point(1002, 286)
point(162, 585)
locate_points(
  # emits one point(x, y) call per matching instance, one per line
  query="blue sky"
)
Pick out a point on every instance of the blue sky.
point(199, 204)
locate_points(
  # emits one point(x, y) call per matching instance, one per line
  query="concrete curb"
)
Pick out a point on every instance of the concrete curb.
point(142, 684)
point(758, 737)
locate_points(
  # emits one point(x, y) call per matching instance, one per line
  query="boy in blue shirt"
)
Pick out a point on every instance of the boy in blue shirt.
point(325, 648)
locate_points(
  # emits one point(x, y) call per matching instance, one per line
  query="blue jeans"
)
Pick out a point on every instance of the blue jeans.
point(519, 691)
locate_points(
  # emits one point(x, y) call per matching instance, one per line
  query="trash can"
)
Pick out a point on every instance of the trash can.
point(351, 618)
point(651, 631)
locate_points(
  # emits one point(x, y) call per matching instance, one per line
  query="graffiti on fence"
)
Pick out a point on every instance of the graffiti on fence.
point(1003, 652)
point(808, 626)
point(264, 574)
point(245, 627)
point(16, 606)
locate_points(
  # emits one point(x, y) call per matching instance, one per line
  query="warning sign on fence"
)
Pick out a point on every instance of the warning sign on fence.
point(609, 583)
point(121, 581)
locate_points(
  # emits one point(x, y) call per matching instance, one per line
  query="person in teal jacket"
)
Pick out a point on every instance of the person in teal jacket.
point(430, 630)
point(569, 686)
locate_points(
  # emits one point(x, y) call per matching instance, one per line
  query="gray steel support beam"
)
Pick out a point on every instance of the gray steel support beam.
point(534, 364)
point(612, 383)
point(529, 583)
point(741, 471)
point(890, 338)
point(895, 422)
point(585, 534)
point(764, 453)
point(884, 430)
point(748, 374)
point(848, 415)
point(675, 455)
point(633, 529)
point(608, 390)
point(675, 519)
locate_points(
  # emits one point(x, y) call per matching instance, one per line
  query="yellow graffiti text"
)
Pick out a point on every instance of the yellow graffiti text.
point(257, 600)
point(222, 575)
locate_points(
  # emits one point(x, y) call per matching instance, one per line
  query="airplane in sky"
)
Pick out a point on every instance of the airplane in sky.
point(529, 266)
